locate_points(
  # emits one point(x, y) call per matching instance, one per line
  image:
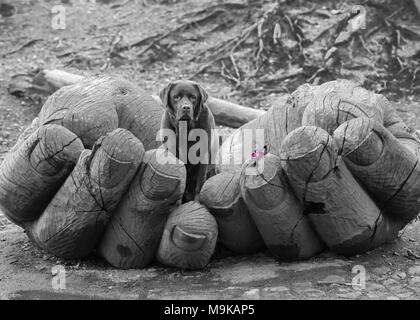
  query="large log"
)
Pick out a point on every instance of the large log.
point(278, 214)
point(96, 106)
point(221, 194)
point(344, 215)
point(388, 169)
point(330, 109)
point(189, 237)
point(265, 132)
point(49, 81)
point(133, 234)
point(347, 100)
point(34, 169)
point(76, 217)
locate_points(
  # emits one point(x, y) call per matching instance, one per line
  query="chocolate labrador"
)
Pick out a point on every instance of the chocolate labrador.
point(185, 110)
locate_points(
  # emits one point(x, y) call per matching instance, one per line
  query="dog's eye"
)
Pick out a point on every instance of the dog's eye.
point(177, 98)
point(193, 98)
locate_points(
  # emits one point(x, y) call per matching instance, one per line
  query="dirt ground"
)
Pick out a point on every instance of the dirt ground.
point(392, 272)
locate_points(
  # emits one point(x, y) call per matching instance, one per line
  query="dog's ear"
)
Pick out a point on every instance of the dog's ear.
point(164, 95)
point(202, 99)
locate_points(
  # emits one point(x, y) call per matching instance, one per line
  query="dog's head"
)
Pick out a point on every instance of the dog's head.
point(184, 100)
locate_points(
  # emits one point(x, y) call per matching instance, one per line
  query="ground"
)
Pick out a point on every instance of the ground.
point(392, 271)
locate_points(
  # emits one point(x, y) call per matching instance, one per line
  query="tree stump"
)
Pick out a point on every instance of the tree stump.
point(221, 194)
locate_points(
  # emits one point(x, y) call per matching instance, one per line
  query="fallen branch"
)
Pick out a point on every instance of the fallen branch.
point(48, 81)
point(23, 46)
point(153, 40)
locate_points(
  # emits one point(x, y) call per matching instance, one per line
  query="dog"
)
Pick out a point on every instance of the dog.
point(185, 107)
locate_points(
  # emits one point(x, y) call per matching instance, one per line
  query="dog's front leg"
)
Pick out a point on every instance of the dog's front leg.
point(201, 178)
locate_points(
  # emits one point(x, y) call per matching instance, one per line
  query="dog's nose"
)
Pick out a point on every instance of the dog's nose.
point(186, 108)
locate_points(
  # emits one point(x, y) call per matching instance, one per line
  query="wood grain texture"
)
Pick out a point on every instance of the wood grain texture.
point(330, 109)
point(358, 96)
point(278, 213)
point(76, 217)
point(283, 117)
point(221, 194)
point(133, 234)
point(34, 170)
point(96, 106)
point(189, 237)
point(313, 105)
point(341, 211)
point(387, 168)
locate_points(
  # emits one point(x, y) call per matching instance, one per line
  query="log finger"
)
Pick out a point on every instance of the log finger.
point(277, 212)
point(221, 194)
point(33, 171)
point(189, 237)
point(342, 213)
point(133, 234)
point(388, 169)
point(76, 217)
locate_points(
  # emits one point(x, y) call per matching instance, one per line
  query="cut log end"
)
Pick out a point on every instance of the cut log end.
point(163, 177)
point(310, 153)
point(221, 194)
point(41, 164)
point(359, 141)
point(114, 157)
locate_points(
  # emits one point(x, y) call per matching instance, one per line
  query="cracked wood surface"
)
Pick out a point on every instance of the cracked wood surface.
point(75, 218)
point(388, 169)
point(221, 194)
point(277, 212)
point(34, 169)
point(133, 234)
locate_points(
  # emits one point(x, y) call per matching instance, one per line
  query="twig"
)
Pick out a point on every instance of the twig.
point(112, 50)
point(207, 65)
point(225, 6)
point(25, 45)
point(282, 77)
point(323, 282)
point(228, 75)
point(158, 37)
point(120, 24)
